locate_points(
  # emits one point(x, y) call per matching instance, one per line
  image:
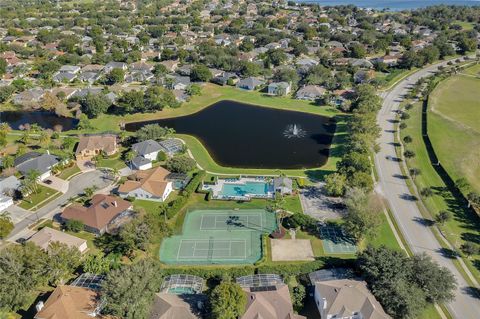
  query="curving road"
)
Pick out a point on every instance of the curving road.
point(419, 237)
point(76, 187)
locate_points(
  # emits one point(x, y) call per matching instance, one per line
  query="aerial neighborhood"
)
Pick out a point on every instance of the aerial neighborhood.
point(239, 159)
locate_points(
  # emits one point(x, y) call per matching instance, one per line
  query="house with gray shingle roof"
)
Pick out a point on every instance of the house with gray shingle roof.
point(250, 83)
point(43, 163)
point(148, 149)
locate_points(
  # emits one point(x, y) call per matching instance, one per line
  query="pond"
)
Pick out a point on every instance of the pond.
point(46, 120)
point(248, 136)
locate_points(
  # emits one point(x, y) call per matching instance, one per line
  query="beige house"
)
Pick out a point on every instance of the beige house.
point(44, 237)
point(93, 145)
point(272, 303)
point(172, 306)
point(149, 185)
point(69, 302)
point(347, 298)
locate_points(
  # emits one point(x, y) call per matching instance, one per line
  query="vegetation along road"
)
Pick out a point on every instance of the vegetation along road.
point(394, 188)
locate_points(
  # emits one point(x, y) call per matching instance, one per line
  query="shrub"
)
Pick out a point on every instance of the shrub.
point(180, 164)
point(303, 221)
point(74, 225)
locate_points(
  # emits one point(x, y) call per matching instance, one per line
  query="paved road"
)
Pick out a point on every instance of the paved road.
point(76, 187)
point(406, 212)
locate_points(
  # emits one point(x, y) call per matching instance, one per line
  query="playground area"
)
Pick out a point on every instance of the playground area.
point(335, 241)
point(219, 237)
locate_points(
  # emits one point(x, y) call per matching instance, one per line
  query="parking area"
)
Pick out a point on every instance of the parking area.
point(318, 205)
point(56, 183)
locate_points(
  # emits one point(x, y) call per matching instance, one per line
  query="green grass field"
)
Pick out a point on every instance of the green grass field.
point(464, 225)
point(40, 199)
point(454, 126)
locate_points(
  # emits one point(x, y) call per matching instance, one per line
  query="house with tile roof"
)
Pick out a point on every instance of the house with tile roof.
point(69, 302)
point(150, 184)
point(45, 236)
point(347, 298)
point(173, 306)
point(102, 212)
point(93, 145)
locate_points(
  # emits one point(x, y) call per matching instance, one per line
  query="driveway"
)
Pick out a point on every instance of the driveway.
point(419, 236)
point(56, 183)
point(100, 179)
point(17, 213)
point(319, 206)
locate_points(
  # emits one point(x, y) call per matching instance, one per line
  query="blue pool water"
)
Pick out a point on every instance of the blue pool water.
point(252, 188)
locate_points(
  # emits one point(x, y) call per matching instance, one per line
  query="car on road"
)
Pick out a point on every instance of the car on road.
point(48, 181)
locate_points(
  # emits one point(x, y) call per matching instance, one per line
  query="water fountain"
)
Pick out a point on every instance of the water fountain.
point(294, 131)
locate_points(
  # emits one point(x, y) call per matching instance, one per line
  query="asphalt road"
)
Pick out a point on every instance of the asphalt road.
point(76, 186)
point(420, 238)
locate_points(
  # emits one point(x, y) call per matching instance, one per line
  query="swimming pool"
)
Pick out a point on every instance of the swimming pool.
point(245, 189)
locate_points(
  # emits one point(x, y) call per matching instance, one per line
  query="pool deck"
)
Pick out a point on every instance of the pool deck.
point(218, 187)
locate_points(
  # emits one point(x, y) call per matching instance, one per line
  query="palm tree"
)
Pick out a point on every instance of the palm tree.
point(45, 138)
point(5, 128)
point(33, 176)
point(25, 138)
point(130, 156)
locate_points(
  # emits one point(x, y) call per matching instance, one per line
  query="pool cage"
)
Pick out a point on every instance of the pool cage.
point(90, 281)
point(182, 284)
point(260, 280)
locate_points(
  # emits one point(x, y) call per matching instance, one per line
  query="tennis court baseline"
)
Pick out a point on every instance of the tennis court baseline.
point(216, 221)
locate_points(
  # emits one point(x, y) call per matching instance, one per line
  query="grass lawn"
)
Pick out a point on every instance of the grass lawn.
point(467, 26)
point(67, 173)
point(464, 224)
point(473, 70)
point(292, 204)
point(385, 236)
point(44, 196)
point(454, 127)
point(112, 162)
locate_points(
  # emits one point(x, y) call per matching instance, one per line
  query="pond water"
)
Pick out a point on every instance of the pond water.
point(47, 120)
point(247, 136)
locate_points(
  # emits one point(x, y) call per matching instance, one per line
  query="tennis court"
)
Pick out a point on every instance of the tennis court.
point(335, 241)
point(219, 237)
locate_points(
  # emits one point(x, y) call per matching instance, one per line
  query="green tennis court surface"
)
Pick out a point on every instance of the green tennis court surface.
point(335, 241)
point(219, 237)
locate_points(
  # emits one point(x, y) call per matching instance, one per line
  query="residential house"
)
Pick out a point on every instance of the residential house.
point(148, 149)
point(180, 95)
point(5, 202)
point(69, 69)
point(226, 78)
point(64, 77)
point(173, 306)
point(347, 298)
point(170, 65)
point(180, 82)
point(42, 163)
point(362, 63)
point(103, 214)
point(29, 97)
point(363, 76)
point(90, 77)
point(151, 185)
point(250, 83)
point(93, 145)
point(9, 186)
point(69, 302)
point(272, 302)
point(279, 88)
point(45, 236)
point(114, 65)
point(283, 185)
point(310, 92)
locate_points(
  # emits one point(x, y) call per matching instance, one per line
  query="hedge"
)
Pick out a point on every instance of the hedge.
point(176, 205)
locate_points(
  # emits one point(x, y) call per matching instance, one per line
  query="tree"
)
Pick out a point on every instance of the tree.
point(129, 290)
point(117, 75)
point(443, 216)
point(200, 73)
point(22, 269)
point(335, 184)
point(30, 182)
point(161, 156)
point(6, 225)
point(414, 172)
point(469, 248)
point(409, 154)
point(74, 225)
point(130, 156)
point(135, 235)
point(363, 213)
point(473, 199)
point(132, 101)
point(407, 139)
point(84, 123)
point(194, 89)
point(152, 132)
point(45, 138)
point(426, 192)
point(3, 66)
point(97, 263)
point(228, 301)
point(180, 164)
point(95, 104)
point(62, 260)
point(157, 98)
point(275, 57)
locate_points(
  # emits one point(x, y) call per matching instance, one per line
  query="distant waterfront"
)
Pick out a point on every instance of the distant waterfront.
point(395, 5)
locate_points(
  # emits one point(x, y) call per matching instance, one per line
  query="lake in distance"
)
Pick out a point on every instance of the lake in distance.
point(47, 120)
point(247, 136)
point(393, 5)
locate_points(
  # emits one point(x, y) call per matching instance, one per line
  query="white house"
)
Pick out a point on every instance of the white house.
point(279, 88)
point(148, 149)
